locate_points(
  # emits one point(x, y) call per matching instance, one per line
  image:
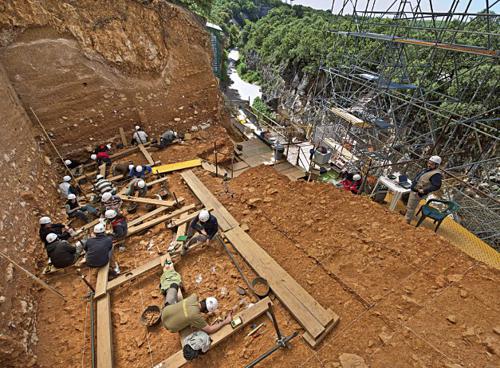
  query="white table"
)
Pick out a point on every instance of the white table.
point(393, 186)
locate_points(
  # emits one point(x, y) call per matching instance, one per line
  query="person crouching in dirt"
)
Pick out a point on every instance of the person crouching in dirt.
point(166, 139)
point(140, 171)
point(47, 227)
point(61, 253)
point(73, 209)
point(188, 312)
point(351, 183)
point(118, 224)
point(195, 344)
point(170, 282)
point(137, 185)
point(206, 225)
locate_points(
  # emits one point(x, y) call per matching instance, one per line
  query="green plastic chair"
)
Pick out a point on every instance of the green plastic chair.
point(435, 214)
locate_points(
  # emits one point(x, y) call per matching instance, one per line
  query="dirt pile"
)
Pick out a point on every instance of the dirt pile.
point(88, 67)
point(28, 191)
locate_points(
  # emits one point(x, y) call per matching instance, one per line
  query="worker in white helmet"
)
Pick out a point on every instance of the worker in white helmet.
point(140, 171)
point(74, 209)
point(206, 225)
point(99, 247)
point(66, 188)
point(75, 166)
point(122, 168)
point(427, 181)
point(60, 252)
point(102, 186)
point(351, 182)
point(118, 224)
point(139, 136)
point(166, 139)
point(47, 227)
point(111, 201)
point(137, 185)
point(188, 313)
point(102, 155)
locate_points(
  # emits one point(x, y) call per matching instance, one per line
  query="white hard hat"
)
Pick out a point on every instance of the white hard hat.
point(110, 214)
point(141, 184)
point(51, 237)
point(138, 168)
point(435, 159)
point(99, 228)
point(45, 220)
point(67, 178)
point(212, 304)
point(106, 196)
point(93, 156)
point(71, 196)
point(137, 127)
point(356, 177)
point(175, 134)
point(130, 167)
point(68, 162)
point(204, 215)
point(108, 146)
point(99, 177)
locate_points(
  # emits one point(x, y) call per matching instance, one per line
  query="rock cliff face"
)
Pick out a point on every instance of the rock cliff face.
point(87, 67)
point(28, 185)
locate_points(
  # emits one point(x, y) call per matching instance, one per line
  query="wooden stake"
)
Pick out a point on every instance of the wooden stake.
point(38, 280)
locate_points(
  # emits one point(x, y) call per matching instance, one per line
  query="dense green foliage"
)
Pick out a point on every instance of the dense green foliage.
point(261, 110)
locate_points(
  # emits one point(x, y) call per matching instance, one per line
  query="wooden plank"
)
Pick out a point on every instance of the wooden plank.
point(308, 312)
point(255, 161)
point(282, 166)
point(102, 169)
point(127, 151)
point(211, 168)
point(146, 155)
point(247, 316)
point(123, 137)
point(136, 272)
point(102, 281)
point(146, 225)
point(225, 219)
point(160, 180)
point(315, 342)
point(85, 227)
point(240, 165)
point(115, 178)
point(162, 169)
point(143, 218)
point(104, 335)
point(144, 200)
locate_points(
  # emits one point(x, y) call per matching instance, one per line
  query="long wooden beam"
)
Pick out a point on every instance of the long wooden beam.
point(144, 217)
point(247, 316)
point(146, 225)
point(144, 200)
point(146, 155)
point(104, 335)
point(123, 137)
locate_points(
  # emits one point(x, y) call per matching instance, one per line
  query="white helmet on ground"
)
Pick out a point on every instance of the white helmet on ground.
point(71, 196)
point(436, 159)
point(110, 214)
point(106, 197)
point(204, 216)
point(138, 168)
point(99, 228)
point(93, 156)
point(137, 127)
point(212, 304)
point(45, 220)
point(130, 167)
point(99, 177)
point(67, 178)
point(356, 177)
point(51, 237)
point(141, 184)
point(68, 162)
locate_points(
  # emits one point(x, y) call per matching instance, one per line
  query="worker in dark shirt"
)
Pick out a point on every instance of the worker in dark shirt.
point(60, 252)
point(427, 181)
point(118, 223)
point(47, 227)
point(206, 225)
point(99, 248)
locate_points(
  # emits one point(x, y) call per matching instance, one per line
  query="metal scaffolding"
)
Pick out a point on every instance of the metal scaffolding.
point(410, 82)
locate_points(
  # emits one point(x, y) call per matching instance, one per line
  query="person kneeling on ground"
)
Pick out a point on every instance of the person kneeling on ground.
point(206, 225)
point(187, 312)
point(170, 282)
point(118, 223)
point(195, 344)
point(352, 183)
point(111, 201)
point(73, 209)
point(137, 185)
point(140, 171)
point(47, 227)
point(166, 139)
point(60, 252)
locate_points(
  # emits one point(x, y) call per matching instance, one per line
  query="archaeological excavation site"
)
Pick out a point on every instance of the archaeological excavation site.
point(249, 183)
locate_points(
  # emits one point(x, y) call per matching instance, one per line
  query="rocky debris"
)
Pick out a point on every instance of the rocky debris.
point(454, 277)
point(464, 294)
point(385, 337)
point(252, 201)
point(348, 360)
point(452, 318)
point(496, 330)
point(492, 345)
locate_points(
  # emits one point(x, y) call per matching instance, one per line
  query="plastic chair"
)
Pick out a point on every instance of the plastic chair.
point(435, 214)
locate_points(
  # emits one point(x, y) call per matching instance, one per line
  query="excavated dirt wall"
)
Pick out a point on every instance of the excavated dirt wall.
point(28, 190)
point(88, 67)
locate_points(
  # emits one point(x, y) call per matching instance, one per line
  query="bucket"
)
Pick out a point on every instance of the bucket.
point(151, 316)
point(279, 151)
point(260, 287)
